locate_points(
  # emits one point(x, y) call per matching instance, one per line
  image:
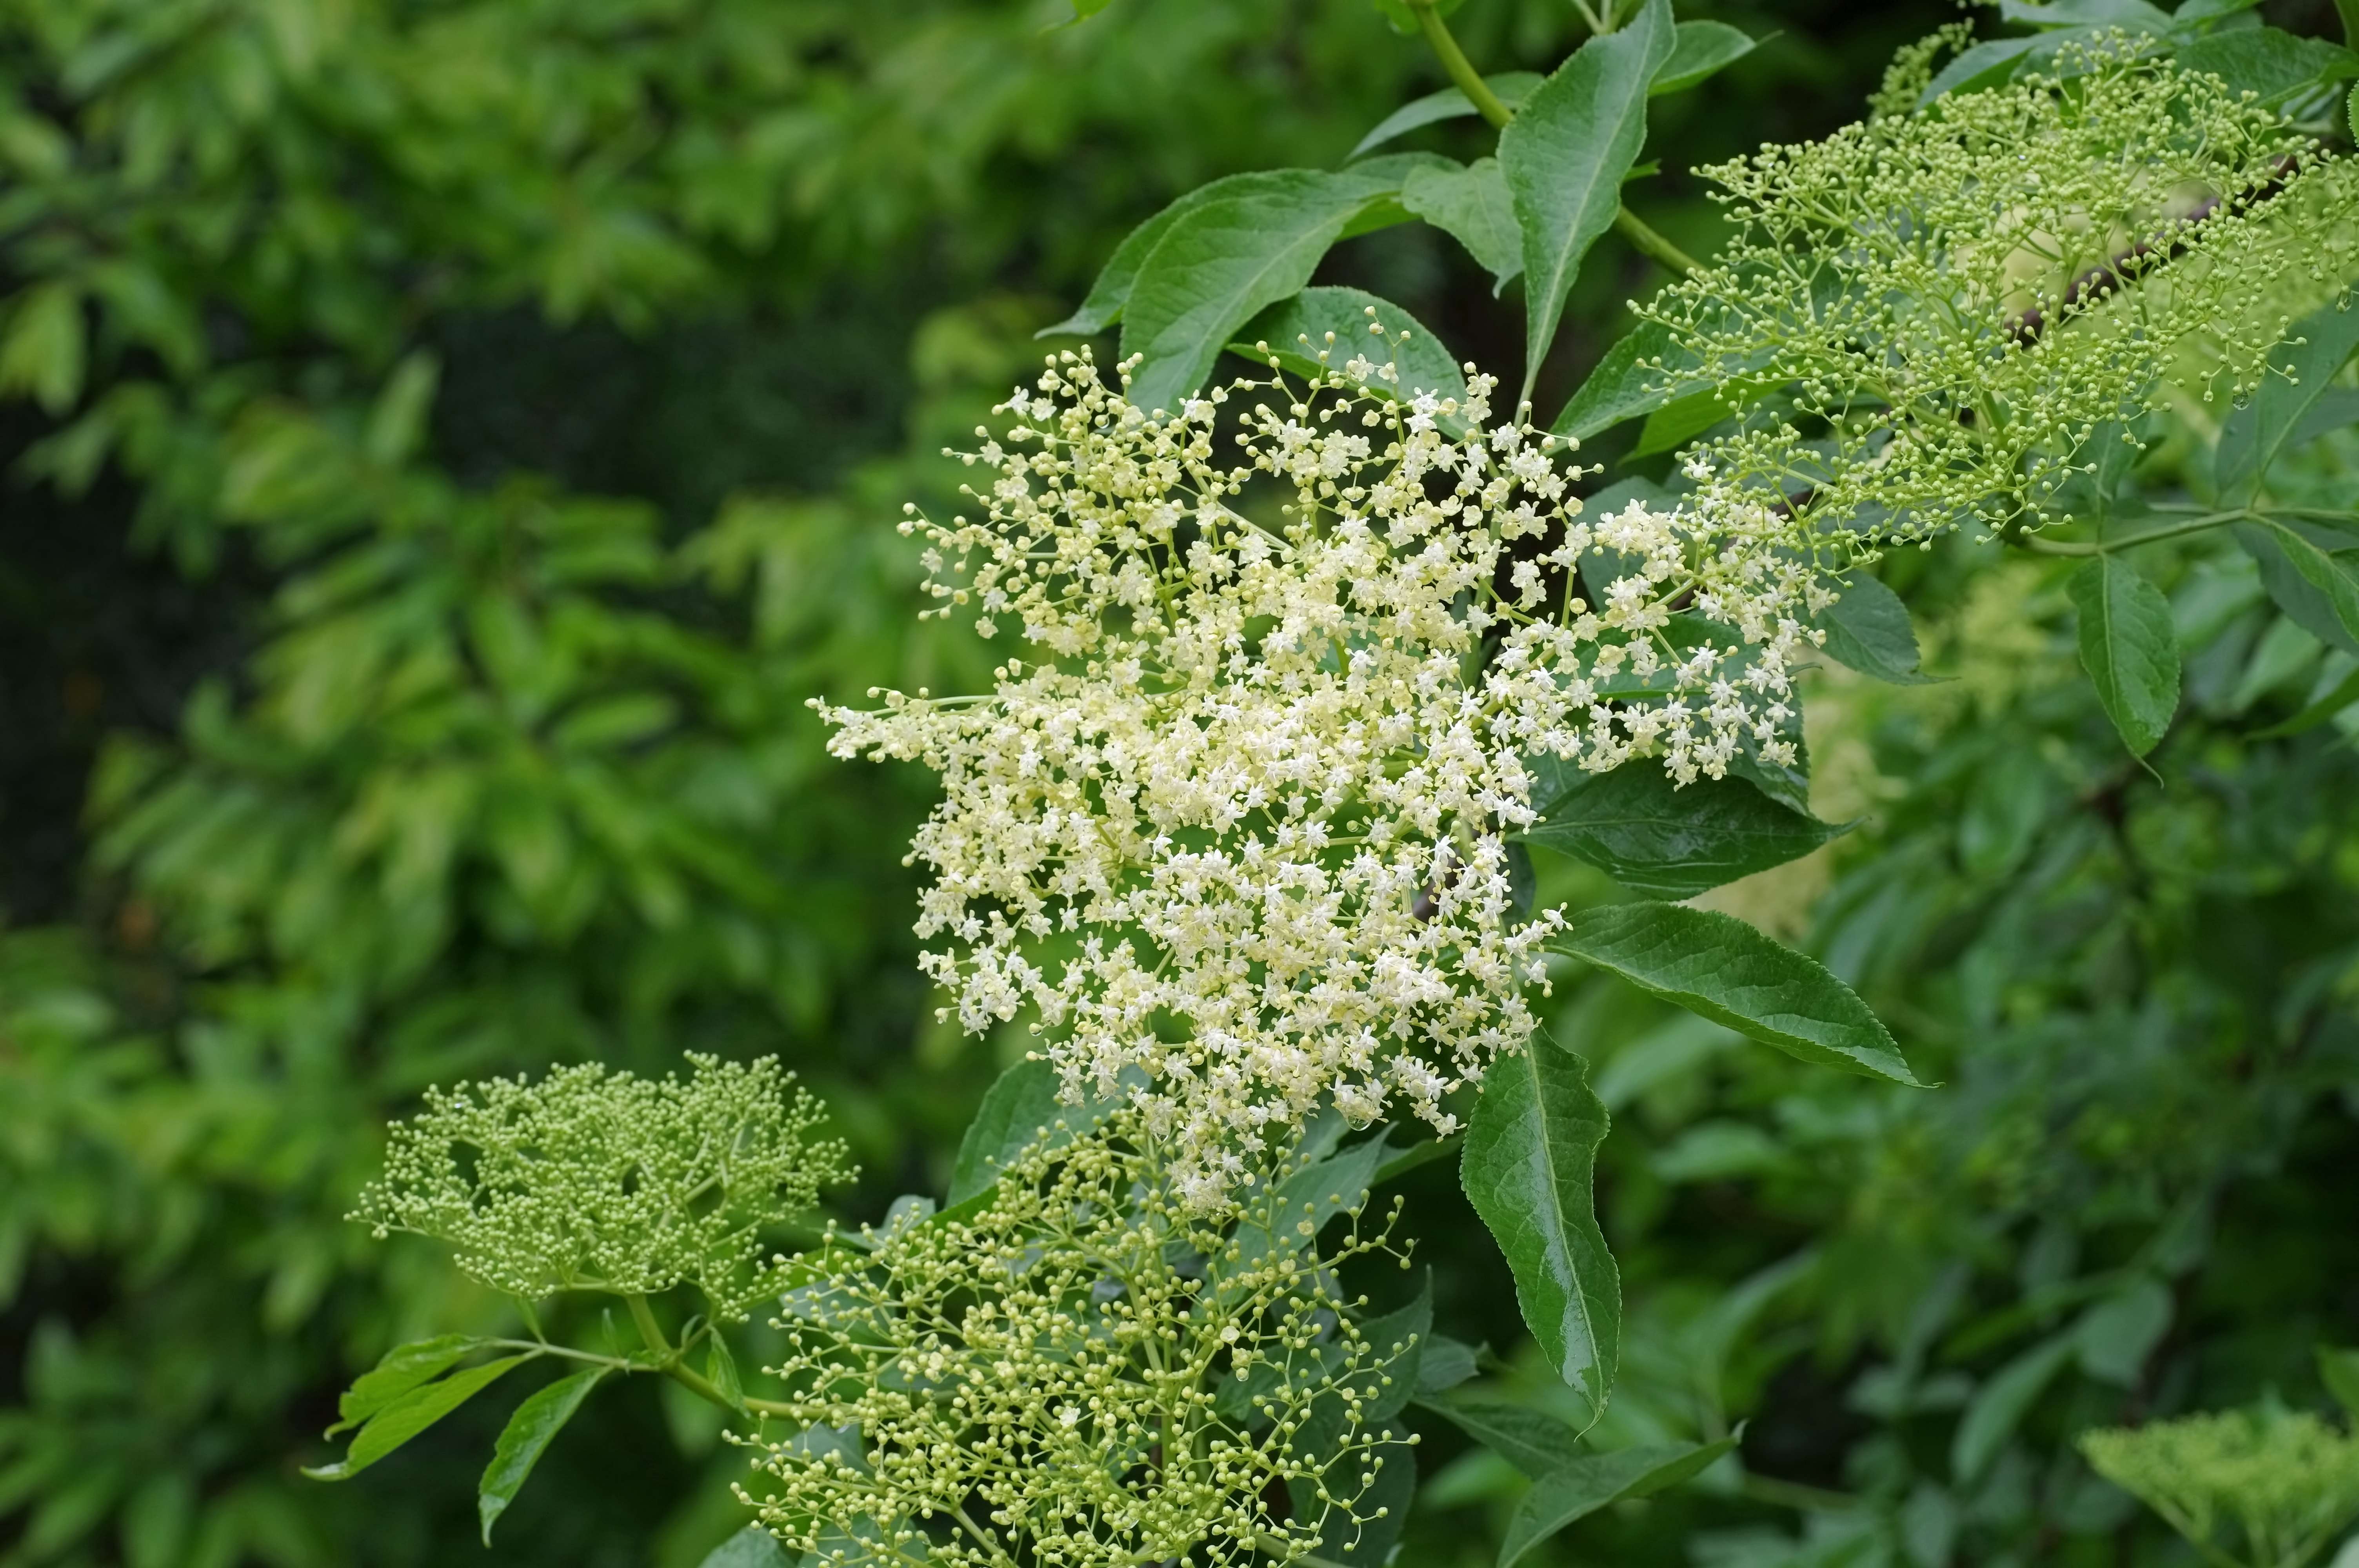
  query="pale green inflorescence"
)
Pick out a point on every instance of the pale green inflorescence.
point(599, 1180)
point(1948, 304)
point(1084, 1371)
point(2289, 1481)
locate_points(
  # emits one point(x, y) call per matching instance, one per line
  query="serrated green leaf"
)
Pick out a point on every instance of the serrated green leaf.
point(1531, 1439)
point(1720, 968)
point(1111, 291)
point(1472, 206)
point(1598, 1480)
point(400, 1369)
point(2271, 64)
point(2301, 371)
point(2129, 649)
point(2311, 573)
point(412, 1413)
point(1019, 1103)
point(1510, 87)
point(1868, 629)
point(1529, 1170)
point(1423, 363)
point(1565, 155)
point(1654, 836)
point(1700, 50)
point(525, 1439)
point(1224, 261)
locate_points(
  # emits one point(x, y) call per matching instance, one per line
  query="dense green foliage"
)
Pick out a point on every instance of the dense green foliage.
point(455, 440)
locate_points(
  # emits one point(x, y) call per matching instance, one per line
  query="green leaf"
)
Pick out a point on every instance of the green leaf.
point(2301, 371)
point(1317, 1192)
point(1598, 1480)
point(2129, 649)
point(1985, 64)
point(2339, 1370)
point(1444, 1363)
point(401, 1369)
point(1510, 87)
point(43, 353)
point(1529, 1170)
point(1365, 1535)
point(1424, 362)
point(1868, 629)
point(2270, 64)
point(720, 1370)
point(752, 1547)
point(1472, 206)
point(1019, 1104)
point(2318, 711)
point(1625, 385)
point(1531, 1439)
point(1654, 836)
point(524, 1438)
point(1678, 422)
point(2312, 572)
point(1699, 50)
point(1720, 968)
point(1222, 261)
point(2134, 14)
point(412, 1413)
point(1565, 154)
point(1999, 1405)
point(1110, 292)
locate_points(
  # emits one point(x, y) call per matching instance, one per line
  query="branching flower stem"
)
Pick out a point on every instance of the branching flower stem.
point(2196, 524)
point(669, 1363)
point(1467, 80)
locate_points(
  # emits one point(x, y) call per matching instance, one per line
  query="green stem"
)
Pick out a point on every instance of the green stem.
point(1467, 80)
point(998, 1552)
point(2107, 546)
point(1462, 70)
point(668, 1363)
point(2350, 10)
point(1644, 238)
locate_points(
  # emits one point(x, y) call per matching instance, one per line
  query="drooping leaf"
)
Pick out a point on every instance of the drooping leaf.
point(525, 1439)
point(2114, 1338)
point(2301, 371)
point(2312, 572)
point(1472, 206)
point(1529, 1170)
point(1222, 261)
point(1423, 363)
point(2129, 649)
point(1598, 1480)
point(1868, 629)
point(1999, 1405)
point(1111, 291)
point(1700, 50)
point(1565, 155)
point(2318, 711)
point(401, 1369)
point(1654, 836)
point(1531, 1439)
point(1510, 87)
point(2271, 64)
point(752, 1547)
point(1720, 968)
point(412, 1413)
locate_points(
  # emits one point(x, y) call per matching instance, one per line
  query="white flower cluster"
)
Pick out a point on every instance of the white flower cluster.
point(1242, 816)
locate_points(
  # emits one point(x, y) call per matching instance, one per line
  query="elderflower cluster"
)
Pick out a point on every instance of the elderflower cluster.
point(2289, 1481)
point(1943, 306)
point(1084, 1373)
point(1240, 816)
point(604, 1180)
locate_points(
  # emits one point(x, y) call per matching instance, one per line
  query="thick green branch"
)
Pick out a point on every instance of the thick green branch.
point(1649, 243)
point(669, 1362)
point(2039, 546)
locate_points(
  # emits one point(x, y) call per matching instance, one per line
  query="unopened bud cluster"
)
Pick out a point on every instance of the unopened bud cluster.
point(1082, 1372)
point(604, 1180)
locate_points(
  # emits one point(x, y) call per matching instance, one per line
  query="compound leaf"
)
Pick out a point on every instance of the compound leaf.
point(525, 1437)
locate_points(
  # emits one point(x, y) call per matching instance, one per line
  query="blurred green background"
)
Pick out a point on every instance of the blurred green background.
point(450, 440)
